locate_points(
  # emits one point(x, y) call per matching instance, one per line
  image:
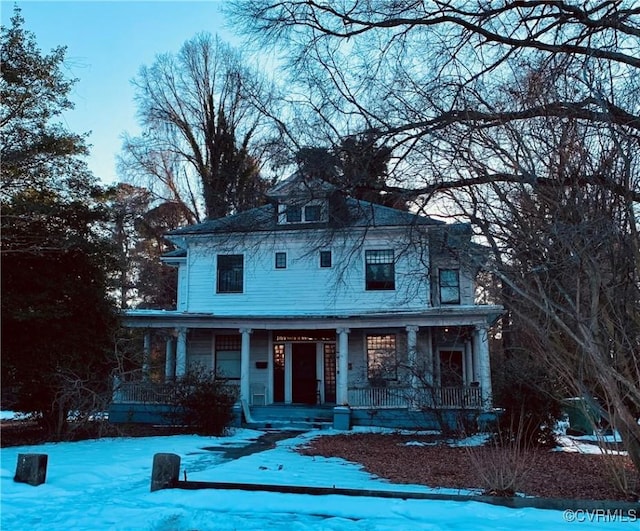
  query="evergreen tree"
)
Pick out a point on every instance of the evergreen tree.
point(57, 319)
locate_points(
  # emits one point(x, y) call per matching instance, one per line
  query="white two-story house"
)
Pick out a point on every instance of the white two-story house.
point(325, 302)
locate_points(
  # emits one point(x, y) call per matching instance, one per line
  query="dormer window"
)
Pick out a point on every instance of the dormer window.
point(312, 212)
point(293, 214)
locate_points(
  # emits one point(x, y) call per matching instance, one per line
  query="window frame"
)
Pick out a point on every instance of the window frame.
point(232, 351)
point(282, 263)
point(315, 208)
point(233, 282)
point(293, 211)
point(371, 283)
point(455, 285)
point(323, 263)
point(377, 370)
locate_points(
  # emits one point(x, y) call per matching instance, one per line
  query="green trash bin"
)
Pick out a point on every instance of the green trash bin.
point(582, 415)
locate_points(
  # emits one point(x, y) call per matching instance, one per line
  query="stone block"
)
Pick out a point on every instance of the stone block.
point(165, 472)
point(31, 469)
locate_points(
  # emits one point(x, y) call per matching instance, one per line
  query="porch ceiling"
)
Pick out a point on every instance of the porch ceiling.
point(443, 316)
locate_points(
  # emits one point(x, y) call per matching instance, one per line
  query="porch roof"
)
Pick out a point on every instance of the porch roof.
point(472, 315)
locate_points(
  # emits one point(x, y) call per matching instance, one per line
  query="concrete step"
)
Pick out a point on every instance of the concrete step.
point(279, 424)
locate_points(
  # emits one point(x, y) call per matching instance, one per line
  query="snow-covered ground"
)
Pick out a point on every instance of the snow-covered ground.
point(104, 484)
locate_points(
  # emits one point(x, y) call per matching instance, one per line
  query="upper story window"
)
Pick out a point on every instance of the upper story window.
point(293, 214)
point(230, 269)
point(380, 269)
point(382, 360)
point(449, 286)
point(325, 258)
point(312, 212)
point(281, 260)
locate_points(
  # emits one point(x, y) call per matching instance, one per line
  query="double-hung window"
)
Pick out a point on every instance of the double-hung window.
point(449, 286)
point(382, 361)
point(228, 356)
point(325, 258)
point(281, 260)
point(230, 271)
point(380, 269)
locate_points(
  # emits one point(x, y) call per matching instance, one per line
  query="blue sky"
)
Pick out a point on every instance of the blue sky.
point(107, 44)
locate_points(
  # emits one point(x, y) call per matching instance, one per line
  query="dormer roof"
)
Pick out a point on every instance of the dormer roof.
point(301, 187)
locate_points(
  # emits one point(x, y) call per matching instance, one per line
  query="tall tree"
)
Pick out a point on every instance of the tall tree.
point(57, 319)
point(202, 134)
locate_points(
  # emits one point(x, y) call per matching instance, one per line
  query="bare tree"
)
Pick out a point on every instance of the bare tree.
point(524, 118)
point(414, 70)
point(203, 136)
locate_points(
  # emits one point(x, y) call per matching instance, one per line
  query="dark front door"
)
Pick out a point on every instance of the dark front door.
point(451, 368)
point(304, 375)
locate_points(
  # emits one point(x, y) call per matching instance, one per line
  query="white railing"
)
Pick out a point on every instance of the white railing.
point(142, 393)
point(423, 398)
point(378, 397)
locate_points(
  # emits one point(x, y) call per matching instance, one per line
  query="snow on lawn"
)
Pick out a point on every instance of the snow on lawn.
point(104, 484)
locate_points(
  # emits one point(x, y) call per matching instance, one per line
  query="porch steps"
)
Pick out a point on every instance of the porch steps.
point(288, 416)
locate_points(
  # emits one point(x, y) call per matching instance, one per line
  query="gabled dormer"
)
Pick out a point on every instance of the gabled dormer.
point(302, 199)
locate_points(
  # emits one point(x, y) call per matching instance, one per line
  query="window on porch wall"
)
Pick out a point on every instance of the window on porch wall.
point(451, 362)
point(228, 356)
point(382, 358)
point(278, 372)
point(329, 372)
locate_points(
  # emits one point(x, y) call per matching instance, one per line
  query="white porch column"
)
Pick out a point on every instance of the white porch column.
point(412, 354)
point(181, 353)
point(244, 364)
point(468, 363)
point(342, 392)
point(482, 363)
point(428, 359)
point(146, 355)
point(170, 360)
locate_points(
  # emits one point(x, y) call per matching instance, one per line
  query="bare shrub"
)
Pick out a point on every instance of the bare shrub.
point(503, 464)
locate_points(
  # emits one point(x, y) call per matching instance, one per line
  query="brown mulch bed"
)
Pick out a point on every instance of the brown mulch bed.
point(549, 474)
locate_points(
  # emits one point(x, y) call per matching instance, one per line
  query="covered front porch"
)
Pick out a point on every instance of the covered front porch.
point(411, 363)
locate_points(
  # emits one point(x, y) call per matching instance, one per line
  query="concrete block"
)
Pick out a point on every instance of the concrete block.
point(341, 418)
point(31, 469)
point(165, 472)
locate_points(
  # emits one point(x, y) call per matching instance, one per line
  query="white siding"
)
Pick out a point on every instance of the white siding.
point(200, 349)
point(304, 288)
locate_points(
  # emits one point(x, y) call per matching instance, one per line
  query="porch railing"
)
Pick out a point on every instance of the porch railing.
point(421, 398)
point(142, 392)
point(365, 397)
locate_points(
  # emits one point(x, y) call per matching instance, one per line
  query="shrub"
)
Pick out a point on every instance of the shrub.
point(203, 403)
point(503, 464)
point(527, 394)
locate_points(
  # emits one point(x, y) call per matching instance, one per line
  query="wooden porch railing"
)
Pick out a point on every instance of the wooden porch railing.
point(404, 397)
point(138, 392)
point(365, 397)
point(142, 393)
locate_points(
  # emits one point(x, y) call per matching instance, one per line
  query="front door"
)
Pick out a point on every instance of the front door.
point(304, 376)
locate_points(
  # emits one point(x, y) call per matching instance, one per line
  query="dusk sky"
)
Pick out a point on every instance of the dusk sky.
point(107, 44)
